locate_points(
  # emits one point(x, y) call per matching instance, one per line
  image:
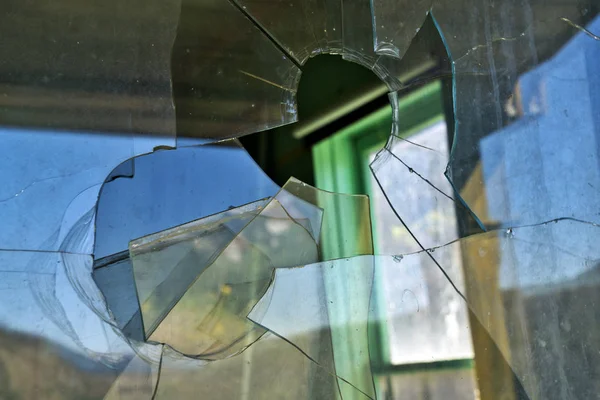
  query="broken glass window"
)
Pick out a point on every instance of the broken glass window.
point(86, 88)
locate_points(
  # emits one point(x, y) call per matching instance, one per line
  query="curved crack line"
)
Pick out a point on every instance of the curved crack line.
point(158, 374)
point(495, 40)
point(35, 182)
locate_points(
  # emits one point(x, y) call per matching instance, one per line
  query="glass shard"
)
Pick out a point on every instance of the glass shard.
point(229, 79)
point(216, 293)
point(204, 277)
point(115, 280)
point(353, 210)
point(358, 32)
point(166, 264)
point(358, 43)
point(317, 298)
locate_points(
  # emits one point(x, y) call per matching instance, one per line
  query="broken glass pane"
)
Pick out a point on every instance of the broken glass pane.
point(85, 90)
point(229, 79)
point(206, 294)
point(140, 377)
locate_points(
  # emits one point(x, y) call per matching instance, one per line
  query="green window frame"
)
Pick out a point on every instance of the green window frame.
point(341, 165)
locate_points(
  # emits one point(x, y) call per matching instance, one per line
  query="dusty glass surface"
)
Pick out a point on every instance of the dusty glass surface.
point(87, 87)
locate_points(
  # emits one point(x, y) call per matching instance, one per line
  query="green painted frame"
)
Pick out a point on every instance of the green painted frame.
point(341, 165)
